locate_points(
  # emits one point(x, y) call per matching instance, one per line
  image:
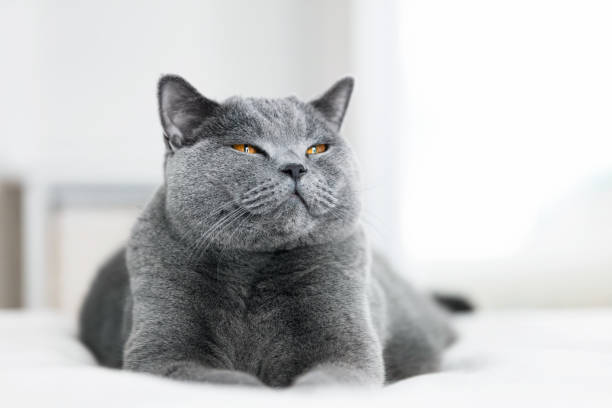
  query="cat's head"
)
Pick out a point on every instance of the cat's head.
point(258, 174)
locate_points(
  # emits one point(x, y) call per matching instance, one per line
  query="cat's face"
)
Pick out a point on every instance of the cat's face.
point(258, 174)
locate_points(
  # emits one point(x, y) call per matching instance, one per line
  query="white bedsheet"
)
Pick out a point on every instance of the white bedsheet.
point(513, 359)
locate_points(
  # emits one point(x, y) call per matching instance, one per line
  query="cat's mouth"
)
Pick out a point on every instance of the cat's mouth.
point(297, 197)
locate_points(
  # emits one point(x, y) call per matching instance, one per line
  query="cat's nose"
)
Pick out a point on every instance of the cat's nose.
point(295, 170)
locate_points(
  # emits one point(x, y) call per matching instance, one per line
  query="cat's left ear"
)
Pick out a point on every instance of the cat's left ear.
point(182, 109)
point(333, 103)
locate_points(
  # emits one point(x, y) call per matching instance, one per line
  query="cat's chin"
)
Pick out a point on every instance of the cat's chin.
point(294, 204)
point(298, 210)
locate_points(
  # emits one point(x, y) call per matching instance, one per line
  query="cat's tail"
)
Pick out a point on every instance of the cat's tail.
point(454, 303)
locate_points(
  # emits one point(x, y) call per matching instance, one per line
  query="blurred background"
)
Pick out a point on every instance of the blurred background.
point(483, 129)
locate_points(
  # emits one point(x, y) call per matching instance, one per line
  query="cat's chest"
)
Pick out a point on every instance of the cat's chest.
point(251, 312)
point(259, 325)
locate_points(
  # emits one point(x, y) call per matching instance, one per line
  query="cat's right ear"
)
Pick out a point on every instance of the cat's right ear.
point(333, 103)
point(182, 109)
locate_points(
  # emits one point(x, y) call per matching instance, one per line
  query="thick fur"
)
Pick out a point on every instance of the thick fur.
point(237, 273)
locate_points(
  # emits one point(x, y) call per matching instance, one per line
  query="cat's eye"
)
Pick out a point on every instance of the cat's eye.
point(316, 149)
point(245, 148)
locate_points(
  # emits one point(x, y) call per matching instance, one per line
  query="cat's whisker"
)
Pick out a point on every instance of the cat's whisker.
point(207, 234)
point(259, 196)
point(328, 201)
point(229, 240)
point(324, 187)
point(261, 186)
point(222, 232)
point(337, 213)
point(219, 223)
point(238, 226)
point(260, 204)
point(236, 214)
point(218, 210)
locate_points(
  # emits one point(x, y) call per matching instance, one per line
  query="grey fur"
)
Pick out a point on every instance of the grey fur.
point(235, 273)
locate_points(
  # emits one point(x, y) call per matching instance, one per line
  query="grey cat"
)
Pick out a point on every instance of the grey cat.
point(250, 264)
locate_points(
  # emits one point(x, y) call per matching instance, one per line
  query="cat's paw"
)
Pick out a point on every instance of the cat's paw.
point(316, 378)
point(228, 377)
point(335, 375)
point(192, 371)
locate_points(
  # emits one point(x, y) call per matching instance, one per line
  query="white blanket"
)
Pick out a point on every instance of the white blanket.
point(513, 359)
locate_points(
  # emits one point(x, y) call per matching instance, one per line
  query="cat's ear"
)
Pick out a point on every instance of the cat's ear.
point(333, 103)
point(182, 109)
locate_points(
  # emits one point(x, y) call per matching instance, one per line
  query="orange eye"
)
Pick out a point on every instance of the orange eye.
point(246, 148)
point(316, 149)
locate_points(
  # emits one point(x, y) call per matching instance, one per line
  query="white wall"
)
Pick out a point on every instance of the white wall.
point(19, 104)
point(508, 148)
point(375, 119)
point(82, 76)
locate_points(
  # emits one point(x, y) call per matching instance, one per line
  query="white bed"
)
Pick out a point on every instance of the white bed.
point(514, 359)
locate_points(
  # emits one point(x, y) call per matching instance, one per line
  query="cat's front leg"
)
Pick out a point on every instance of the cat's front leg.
point(170, 334)
point(344, 348)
